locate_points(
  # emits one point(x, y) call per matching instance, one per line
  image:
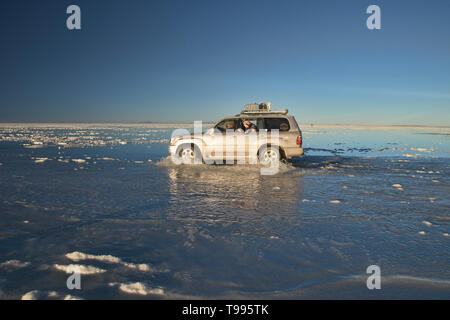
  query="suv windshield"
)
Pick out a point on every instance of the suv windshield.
point(229, 124)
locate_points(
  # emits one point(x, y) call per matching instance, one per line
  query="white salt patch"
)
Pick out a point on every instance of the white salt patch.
point(313, 131)
point(81, 268)
point(149, 160)
point(427, 223)
point(422, 233)
point(70, 297)
point(276, 188)
point(409, 155)
point(445, 234)
point(305, 200)
point(15, 264)
point(396, 185)
point(335, 201)
point(435, 181)
point(34, 146)
point(40, 160)
point(79, 160)
point(32, 295)
point(140, 267)
point(138, 288)
point(78, 256)
point(37, 295)
point(106, 159)
point(422, 149)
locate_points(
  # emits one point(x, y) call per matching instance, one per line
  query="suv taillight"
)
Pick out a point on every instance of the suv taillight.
point(299, 140)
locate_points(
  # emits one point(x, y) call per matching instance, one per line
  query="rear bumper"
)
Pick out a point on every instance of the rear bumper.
point(293, 152)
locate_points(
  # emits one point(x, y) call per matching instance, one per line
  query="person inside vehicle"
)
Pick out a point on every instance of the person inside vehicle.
point(230, 126)
point(248, 126)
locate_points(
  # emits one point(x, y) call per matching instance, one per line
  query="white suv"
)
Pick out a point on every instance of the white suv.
point(271, 136)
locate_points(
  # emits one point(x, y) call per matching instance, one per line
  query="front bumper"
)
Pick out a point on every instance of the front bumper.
point(172, 150)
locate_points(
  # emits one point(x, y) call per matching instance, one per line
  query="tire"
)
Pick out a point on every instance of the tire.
point(268, 155)
point(188, 154)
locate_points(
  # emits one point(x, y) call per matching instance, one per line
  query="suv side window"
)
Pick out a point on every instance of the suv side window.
point(255, 122)
point(281, 124)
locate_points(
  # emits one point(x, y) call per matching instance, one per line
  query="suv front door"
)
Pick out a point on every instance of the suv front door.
point(222, 141)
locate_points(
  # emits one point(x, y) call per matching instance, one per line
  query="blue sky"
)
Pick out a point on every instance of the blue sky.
point(178, 61)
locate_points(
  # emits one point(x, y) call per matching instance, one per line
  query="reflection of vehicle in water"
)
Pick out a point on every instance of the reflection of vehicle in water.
point(256, 133)
point(232, 191)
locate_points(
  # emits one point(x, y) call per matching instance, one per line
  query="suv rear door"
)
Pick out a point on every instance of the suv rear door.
point(286, 129)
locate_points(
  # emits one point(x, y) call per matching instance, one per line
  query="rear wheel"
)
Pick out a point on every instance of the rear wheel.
point(269, 155)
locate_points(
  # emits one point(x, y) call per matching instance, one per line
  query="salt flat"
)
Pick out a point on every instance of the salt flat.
point(107, 198)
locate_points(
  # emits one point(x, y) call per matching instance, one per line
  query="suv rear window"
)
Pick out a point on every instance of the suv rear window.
point(281, 124)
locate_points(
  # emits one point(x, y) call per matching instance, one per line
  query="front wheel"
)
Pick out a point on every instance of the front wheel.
point(269, 155)
point(188, 154)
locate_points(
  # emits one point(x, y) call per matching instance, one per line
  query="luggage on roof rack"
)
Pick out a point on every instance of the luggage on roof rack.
point(261, 108)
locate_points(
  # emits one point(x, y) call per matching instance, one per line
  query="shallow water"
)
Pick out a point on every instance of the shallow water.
point(143, 227)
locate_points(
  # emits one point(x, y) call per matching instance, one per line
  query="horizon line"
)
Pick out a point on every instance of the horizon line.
point(311, 124)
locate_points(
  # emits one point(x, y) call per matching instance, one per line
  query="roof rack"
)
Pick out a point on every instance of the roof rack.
point(261, 108)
